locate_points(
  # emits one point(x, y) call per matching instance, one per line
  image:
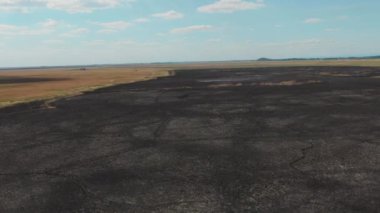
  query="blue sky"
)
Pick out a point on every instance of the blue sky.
point(68, 32)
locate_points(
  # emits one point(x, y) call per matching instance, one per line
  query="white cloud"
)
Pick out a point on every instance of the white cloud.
point(49, 23)
point(141, 20)
point(123, 43)
point(14, 5)
point(114, 26)
point(14, 30)
point(313, 21)
point(76, 32)
point(106, 31)
point(53, 42)
point(10, 29)
point(95, 42)
point(169, 15)
point(71, 6)
point(230, 6)
point(190, 29)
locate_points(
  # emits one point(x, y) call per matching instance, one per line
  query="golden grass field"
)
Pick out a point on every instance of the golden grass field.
point(17, 86)
point(28, 85)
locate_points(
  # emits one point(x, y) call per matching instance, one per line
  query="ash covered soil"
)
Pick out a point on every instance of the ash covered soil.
point(296, 139)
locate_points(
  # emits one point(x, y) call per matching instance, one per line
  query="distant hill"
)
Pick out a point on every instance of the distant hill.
point(265, 59)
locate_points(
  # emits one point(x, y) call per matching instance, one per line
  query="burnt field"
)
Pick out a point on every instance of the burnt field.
point(295, 139)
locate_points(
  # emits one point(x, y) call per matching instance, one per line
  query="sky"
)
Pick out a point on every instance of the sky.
point(76, 32)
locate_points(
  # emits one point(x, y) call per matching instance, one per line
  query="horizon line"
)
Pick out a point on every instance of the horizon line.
point(261, 59)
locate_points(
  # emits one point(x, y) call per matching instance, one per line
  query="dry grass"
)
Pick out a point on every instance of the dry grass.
point(289, 83)
point(23, 86)
point(216, 86)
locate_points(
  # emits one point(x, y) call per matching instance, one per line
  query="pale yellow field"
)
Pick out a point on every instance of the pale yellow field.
point(23, 86)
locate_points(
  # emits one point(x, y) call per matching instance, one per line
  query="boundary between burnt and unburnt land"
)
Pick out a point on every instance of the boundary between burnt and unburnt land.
point(25, 86)
point(46, 103)
point(45, 73)
point(232, 140)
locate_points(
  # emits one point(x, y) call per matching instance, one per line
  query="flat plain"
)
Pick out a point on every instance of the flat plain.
point(19, 86)
point(273, 138)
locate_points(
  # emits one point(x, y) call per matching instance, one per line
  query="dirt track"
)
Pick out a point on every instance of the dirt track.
point(266, 139)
